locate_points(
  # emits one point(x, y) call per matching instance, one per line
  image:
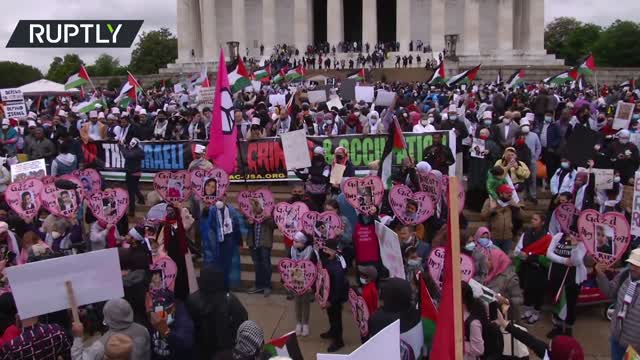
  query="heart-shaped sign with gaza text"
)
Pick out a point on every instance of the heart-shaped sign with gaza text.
point(461, 193)
point(209, 185)
point(256, 205)
point(360, 312)
point(62, 202)
point(409, 207)
point(109, 206)
point(90, 180)
point(24, 197)
point(173, 186)
point(322, 226)
point(323, 286)
point(363, 193)
point(605, 236)
point(435, 263)
point(566, 215)
point(297, 276)
point(431, 183)
point(288, 217)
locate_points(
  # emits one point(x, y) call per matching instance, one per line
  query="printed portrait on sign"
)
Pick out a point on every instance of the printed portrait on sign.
point(174, 188)
point(27, 201)
point(211, 187)
point(66, 201)
point(365, 196)
point(604, 239)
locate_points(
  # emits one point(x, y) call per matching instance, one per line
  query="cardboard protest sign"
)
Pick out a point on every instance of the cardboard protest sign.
point(435, 263)
point(317, 96)
point(384, 345)
point(635, 211)
point(335, 102)
point(337, 171)
point(360, 312)
point(163, 273)
point(173, 186)
point(390, 251)
point(288, 217)
point(567, 217)
point(90, 179)
point(256, 205)
point(431, 183)
point(323, 285)
point(622, 118)
point(24, 197)
point(297, 276)
point(209, 185)
point(110, 205)
point(477, 148)
point(15, 110)
point(277, 99)
point(605, 236)
point(363, 193)
point(604, 178)
point(322, 226)
point(409, 207)
point(348, 89)
point(13, 94)
point(385, 98)
point(296, 152)
point(204, 97)
point(62, 202)
point(364, 93)
point(95, 277)
point(27, 169)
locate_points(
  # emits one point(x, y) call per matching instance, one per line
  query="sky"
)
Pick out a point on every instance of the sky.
point(162, 13)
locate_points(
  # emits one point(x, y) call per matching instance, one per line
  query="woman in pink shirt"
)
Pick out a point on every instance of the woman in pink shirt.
point(475, 316)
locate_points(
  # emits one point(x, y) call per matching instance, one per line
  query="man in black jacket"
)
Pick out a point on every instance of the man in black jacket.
point(133, 155)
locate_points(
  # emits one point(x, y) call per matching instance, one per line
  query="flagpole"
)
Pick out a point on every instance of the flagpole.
point(90, 81)
point(454, 240)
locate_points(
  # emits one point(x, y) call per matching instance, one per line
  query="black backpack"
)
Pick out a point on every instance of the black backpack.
point(492, 337)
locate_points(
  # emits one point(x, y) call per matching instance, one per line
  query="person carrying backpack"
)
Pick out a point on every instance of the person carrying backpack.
point(482, 339)
point(65, 162)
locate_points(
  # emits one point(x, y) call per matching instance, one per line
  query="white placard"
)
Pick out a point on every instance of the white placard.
point(317, 96)
point(635, 210)
point(27, 169)
point(335, 101)
point(364, 93)
point(204, 97)
point(622, 118)
point(15, 110)
point(383, 345)
point(39, 287)
point(477, 148)
point(385, 98)
point(294, 146)
point(11, 95)
point(604, 178)
point(337, 171)
point(277, 99)
point(178, 88)
point(390, 251)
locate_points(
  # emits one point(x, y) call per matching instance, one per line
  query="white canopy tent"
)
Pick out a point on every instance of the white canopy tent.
point(45, 87)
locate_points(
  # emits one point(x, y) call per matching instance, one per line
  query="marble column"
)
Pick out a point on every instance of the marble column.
point(505, 26)
point(210, 48)
point(188, 30)
point(437, 25)
point(403, 24)
point(301, 24)
point(470, 34)
point(335, 22)
point(238, 25)
point(369, 22)
point(535, 21)
point(268, 25)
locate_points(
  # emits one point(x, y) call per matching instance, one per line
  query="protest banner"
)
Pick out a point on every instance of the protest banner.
point(209, 185)
point(435, 265)
point(385, 98)
point(15, 110)
point(390, 251)
point(27, 169)
point(334, 102)
point(635, 211)
point(409, 207)
point(622, 118)
point(605, 236)
point(317, 96)
point(383, 345)
point(24, 197)
point(277, 99)
point(63, 201)
point(604, 178)
point(12, 94)
point(95, 277)
point(477, 148)
point(204, 97)
point(298, 276)
point(364, 93)
point(110, 205)
point(256, 205)
point(296, 151)
point(90, 179)
point(173, 186)
point(322, 226)
point(363, 193)
point(288, 217)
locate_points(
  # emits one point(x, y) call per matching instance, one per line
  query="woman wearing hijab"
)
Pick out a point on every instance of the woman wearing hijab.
point(478, 171)
point(503, 280)
point(341, 156)
point(316, 178)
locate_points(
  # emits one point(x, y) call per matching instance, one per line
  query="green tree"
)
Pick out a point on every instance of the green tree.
point(105, 65)
point(557, 31)
point(114, 84)
point(618, 45)
point(571, 39)
point(13, 74)
point(154, 50)
point(61, 68)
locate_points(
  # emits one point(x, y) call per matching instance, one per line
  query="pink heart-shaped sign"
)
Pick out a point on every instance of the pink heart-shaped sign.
point(566, 215)
point(411, 208)
point(24, 197)
point(435, 263)
point(256, 205)
point(173, 186)
point(168, 272)
point(48, 180)
point(209, 185)
point(110, 205)
point(90, 179)
point(605, 236)
point(360, 312)
point(61, 202)
point(363, 193)
point(297, 276)
point(431, 183)
point(323, 285)
point(322, 227)
point(288, 217)
point(461, 194)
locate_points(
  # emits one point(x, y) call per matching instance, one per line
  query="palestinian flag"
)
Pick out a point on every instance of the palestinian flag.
point(516, 79)
point(239, 77)
point(438, 75)
point(284, 346)
point(631, 84)
point(89, 105)
point(464, 77)
point(78, 79)
point(588, 66)
point(129, 91)
point(263, 73)
point(631, 354)
point(560, 305)
point(428, 311)
point(296, 73)
point(358, 75)
point(395, 144)
point(201, 79)
point(562, 77)
point(280, 76)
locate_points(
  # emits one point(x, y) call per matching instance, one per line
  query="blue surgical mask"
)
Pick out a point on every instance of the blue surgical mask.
point(453, 117)
point(470, 246)
point(414, 262)
point(487, 123)
point(484, 242)
point(548, 119)
point(565, 165)
point(635, 117)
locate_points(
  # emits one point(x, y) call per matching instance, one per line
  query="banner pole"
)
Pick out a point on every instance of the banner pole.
point(454, 226)
point(72, 302)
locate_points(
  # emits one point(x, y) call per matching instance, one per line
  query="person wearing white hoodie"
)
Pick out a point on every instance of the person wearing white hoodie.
point(65, 162)
point(424, 125)
point(374, 124)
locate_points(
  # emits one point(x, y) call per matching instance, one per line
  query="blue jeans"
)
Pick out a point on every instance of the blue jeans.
point(261, 257)
point(617, 350)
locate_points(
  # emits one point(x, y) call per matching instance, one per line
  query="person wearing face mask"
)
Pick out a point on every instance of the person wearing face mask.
point(532, 142)
point(478, 171)
point(506, 131)
point(162, 129)
point(486, 123)
point(341, 156)
point(514, 167)
point(408, 238)
point(61, 234)
point(504, 216)
point(413, 266)
point(8, 138)
point(503, 280)
point(458, 125)
point(438, 155)
point(316, 178)
point(563, 179)
point(352, 125)
point(373, 124)
point(172, 332)
point(424, 125)
point(329, 126)
point(550, 140)
point(623, 156)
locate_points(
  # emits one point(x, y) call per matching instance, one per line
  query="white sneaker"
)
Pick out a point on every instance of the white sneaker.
point(527, 314)
point(298, 329)
point(305, 330)
point(533, 318)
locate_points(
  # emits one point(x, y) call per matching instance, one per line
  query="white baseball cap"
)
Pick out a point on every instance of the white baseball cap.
point(487, 115)
point(93, 114)
point(200, 149)
point(115, 110)
point(143, 112)
point(100, 115)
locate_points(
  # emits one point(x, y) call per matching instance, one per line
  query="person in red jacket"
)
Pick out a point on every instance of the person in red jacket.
point(368, 278)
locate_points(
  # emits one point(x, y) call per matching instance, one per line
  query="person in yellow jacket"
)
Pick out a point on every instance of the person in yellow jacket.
point(517, 170)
